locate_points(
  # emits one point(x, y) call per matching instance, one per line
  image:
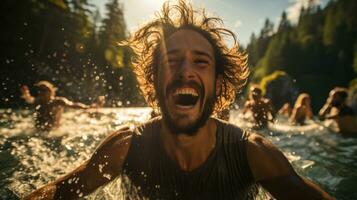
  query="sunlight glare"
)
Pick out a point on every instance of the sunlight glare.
point(154, 4)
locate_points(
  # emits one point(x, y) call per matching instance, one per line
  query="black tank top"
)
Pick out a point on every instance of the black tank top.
point(150, 173)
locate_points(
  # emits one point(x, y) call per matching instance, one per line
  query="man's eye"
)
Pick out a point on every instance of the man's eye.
point(202, 62)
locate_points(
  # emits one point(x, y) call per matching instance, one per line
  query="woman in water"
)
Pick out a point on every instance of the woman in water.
point(302, 109)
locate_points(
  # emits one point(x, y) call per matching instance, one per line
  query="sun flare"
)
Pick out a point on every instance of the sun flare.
point(154, 4)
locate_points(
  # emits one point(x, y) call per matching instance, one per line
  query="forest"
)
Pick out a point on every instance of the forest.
point(317, 53)
point(70, 44)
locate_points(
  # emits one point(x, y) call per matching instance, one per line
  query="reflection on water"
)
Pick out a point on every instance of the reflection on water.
point(30, 159)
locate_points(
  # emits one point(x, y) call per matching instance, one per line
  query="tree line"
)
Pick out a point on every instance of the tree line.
point(319, 52)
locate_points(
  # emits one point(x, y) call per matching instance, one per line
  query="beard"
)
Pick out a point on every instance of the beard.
point(191, 128)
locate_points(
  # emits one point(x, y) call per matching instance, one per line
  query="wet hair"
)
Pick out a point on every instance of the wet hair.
point(47, 86)
point(300, 99)
point(231, 64)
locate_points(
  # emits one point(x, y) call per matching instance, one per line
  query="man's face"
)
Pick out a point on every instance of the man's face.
point(44, 94)
point(186, 83)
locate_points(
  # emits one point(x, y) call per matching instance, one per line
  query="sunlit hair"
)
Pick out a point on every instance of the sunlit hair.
point(300, 99)
point(47, 86)
point(231, 64)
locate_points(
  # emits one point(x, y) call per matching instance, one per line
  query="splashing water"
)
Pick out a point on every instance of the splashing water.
point(30, 159)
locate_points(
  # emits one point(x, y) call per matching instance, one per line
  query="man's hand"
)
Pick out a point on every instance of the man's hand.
point(26, 94)
point(25, 91)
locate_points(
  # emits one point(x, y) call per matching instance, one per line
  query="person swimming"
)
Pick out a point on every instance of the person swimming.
point(337, 110)
point(302, 109)
point(48, 106)
point(185, 69)
point(260, 107)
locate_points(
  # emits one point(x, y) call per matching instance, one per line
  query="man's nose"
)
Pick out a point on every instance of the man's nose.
point(186, 70)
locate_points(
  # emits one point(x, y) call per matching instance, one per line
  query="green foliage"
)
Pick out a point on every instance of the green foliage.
point(319, 51)
point(60, 41)
point(268, 79)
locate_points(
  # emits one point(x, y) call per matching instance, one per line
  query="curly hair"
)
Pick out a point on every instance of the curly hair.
point(231, 64)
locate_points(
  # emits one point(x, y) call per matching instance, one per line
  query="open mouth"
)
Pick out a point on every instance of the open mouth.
point(185, 97)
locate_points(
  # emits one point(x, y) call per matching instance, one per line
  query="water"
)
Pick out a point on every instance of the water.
point(29, 159)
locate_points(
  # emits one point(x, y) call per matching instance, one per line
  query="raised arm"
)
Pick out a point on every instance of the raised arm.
point(273, 171)
point(67, 103)
point(26, 95)
point(104, 165)
point(325, 110)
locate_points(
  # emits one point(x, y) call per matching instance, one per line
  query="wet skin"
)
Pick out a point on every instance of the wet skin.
point(260, 107)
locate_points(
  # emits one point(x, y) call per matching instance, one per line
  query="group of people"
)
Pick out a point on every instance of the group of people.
point(335, 109)
point(186, 70)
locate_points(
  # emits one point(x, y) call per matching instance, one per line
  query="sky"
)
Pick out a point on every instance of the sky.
point(243, 17)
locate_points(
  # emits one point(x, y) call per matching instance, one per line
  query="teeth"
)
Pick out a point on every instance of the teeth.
point(190, 91)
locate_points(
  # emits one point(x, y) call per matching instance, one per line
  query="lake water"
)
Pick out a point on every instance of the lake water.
point(29, 159)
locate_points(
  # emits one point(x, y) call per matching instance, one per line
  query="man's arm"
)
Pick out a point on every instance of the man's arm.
point(273, 171)
point(271, 110)
point(325, 110)
point(67, 103)
point(104, 165)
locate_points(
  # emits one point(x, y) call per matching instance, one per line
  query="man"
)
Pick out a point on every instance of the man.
point(49, 107)
point(186, 154)
point(261, 108)
point(336, 109)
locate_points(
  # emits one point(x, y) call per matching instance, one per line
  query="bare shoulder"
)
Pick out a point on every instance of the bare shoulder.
point(114, 148)
point(266, 161)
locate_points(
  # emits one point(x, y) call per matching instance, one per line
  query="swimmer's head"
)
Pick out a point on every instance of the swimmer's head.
point(46, 90)
point(338, 96)
point(255, 92)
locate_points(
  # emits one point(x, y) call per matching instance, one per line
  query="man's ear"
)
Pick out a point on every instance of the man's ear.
point(219, 81)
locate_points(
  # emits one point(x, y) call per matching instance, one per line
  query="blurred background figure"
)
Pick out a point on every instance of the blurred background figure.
point(100, 102)
point(302, 109)
point(285, 110)
point(48, 106)
point(260, 108)
point(336, 109)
